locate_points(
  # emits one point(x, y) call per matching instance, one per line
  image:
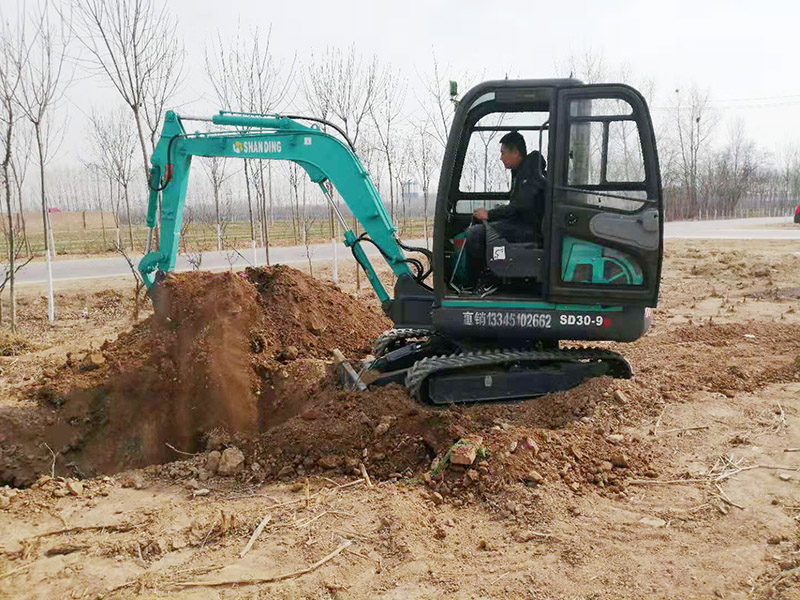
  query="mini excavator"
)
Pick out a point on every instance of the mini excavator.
point(594, 276)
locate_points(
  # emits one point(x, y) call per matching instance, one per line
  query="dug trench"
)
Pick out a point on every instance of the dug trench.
point(244, 359)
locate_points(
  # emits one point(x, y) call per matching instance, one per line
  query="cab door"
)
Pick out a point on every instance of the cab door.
point(605, 204)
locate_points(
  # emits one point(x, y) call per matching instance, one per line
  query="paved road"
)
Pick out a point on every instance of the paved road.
point(775, 228)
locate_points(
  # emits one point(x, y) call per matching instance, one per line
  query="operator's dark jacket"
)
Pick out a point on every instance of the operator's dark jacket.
point(521, 219)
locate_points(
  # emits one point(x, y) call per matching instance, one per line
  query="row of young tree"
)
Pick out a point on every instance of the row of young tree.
point(398, 123)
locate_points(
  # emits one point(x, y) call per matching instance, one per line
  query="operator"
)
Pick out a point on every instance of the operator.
point(521, 219)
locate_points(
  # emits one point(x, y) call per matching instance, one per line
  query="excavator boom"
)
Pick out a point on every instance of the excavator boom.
point(322, 156)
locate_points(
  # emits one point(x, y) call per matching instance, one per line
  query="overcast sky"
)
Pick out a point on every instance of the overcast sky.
point(743, 53)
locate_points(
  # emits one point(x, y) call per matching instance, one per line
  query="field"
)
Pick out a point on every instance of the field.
point(123, 480)
point(198, 237)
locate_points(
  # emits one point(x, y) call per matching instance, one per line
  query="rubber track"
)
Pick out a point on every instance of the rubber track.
point(387, 338)
point(426, 367)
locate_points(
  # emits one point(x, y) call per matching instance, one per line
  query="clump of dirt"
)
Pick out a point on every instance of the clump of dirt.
point(216, 345)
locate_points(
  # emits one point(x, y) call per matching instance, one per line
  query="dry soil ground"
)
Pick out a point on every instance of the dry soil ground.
point(681, 483)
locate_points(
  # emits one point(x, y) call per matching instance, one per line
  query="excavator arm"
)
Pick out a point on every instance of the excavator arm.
point(324, 158)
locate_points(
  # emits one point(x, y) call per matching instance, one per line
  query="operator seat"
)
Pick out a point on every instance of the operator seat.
point(516, 260)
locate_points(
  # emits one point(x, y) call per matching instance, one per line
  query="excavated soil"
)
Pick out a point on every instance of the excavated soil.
point(224, 351)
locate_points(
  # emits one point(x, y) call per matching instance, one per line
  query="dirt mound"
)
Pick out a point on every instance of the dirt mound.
point(219, 352)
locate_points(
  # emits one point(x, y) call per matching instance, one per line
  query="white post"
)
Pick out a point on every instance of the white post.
point(51, 308)
point(335, 268)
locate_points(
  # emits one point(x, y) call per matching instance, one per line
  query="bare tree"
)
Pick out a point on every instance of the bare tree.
point(246, 76)
point(695, 123)
point(343, 85)
point(424, 162)
point(386, 110)
point(112, 140)
point(20, 160)
point(134, 45)
point(215, 168)
point(13, 60)
point(41, 87)
point(437, 103)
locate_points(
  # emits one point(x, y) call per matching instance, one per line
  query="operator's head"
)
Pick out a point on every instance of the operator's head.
point(512, 149)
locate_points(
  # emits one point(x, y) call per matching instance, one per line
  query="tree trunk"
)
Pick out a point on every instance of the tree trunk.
point(216, 215)
point(11, 240)
point(128, 211)
point(264, 222)
point(250, 212)
point(51, 312)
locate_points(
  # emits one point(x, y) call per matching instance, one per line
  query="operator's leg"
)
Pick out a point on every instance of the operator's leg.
point(475, 247)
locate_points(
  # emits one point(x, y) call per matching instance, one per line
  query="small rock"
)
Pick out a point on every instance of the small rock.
point(473, 475)
point(524, 537)
point(512, 447)
point(212, 460)
point(201, 492)
point(437, 497)
point(286, 470)
point(465, 450)
point(777, 539)
point(178, 544)
point(615, 438)
point(92, 361)
point(620, 461)
point(310, 415)
point(288, 353)
point(652, 521)
point(134, 480)
point(74, 487)
point(60, 492)
point(231, 461)
point(331, 461)
point(574, 510)
point(784, 477)
point(530, 444)
point(5, 501)
point(620, 397)
point(534, 477)
point(384, 425)
point(575, 486)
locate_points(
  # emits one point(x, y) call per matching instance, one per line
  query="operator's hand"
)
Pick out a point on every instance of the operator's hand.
point(481, 214)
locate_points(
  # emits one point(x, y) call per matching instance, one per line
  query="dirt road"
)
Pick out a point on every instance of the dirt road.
point(681, 483)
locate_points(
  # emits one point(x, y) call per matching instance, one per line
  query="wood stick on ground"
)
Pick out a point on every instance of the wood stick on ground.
point(116, 528)
point(724, 497)
point(664, 481)
point(261, 580)
point(52, 466)
point(311, 520)
point(365, 475)
point(681, 429)
point(174, 449)
point(791, 449)
point(654, 431)
point(256, 533)
point(17, 570)
point(351, 483)
point(307, 491)
point(759, 466)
